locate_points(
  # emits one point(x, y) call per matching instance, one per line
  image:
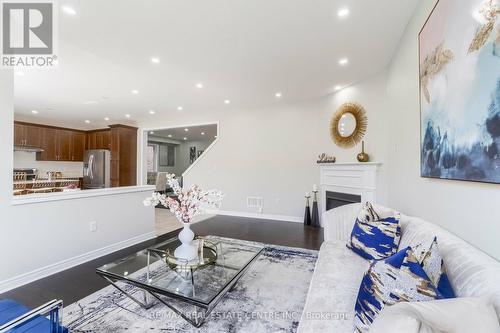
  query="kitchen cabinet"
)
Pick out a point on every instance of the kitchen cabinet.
point(61, 145)
point(123, 155)
point(26, 135)
point(100, 139)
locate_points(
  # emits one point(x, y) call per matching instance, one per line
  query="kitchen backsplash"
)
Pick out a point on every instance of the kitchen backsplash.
point(28, 160)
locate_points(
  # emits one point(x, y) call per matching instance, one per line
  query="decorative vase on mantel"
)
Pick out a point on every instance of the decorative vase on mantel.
point(363, 157)
point(188, 250)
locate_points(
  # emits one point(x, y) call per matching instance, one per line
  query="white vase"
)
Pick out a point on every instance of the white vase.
point(189, 249)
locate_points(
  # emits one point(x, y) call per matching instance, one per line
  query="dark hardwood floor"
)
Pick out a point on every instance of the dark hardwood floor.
point(80, 281)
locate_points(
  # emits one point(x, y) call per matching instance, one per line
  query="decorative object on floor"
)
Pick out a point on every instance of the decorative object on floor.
point(399, 278)
point(348, 125)
point(187, 204)
point(363, 157)
point(315, 212)
point(460, 92)
point(192, 154)
point(276, 284)
point(307, 213)
point(375, 237)
point(324, 158)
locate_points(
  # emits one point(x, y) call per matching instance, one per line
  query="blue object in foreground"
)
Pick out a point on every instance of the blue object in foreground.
point(17, 318)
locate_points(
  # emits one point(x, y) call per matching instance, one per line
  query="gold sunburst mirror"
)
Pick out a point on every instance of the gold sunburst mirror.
point(348, 125)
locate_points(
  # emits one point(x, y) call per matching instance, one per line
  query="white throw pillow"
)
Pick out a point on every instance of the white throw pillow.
point(455, 315)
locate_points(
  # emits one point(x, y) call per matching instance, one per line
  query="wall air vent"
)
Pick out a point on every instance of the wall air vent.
point(255, 202)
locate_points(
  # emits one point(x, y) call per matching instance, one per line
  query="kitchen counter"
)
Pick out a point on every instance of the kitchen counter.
point(55, 180)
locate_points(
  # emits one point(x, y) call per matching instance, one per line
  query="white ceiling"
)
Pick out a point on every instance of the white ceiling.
point(193, 133)
point(241, 50)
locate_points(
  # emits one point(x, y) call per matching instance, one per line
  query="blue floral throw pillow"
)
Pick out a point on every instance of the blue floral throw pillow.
point(432, 262)
point(399, 278)
point(374, 237)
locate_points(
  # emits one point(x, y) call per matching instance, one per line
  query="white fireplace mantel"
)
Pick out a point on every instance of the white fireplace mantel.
point(350, 178)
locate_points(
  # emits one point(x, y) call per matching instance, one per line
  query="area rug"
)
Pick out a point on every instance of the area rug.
point(269, 298)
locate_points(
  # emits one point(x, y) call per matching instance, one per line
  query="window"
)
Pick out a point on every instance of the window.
point(152, 158)
point(167, 155)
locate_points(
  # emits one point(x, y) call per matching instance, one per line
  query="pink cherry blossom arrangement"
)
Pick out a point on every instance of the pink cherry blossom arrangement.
point(189, 203)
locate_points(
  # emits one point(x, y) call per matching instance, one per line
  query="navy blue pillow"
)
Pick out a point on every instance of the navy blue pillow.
point(399, 278)
point(372, 237)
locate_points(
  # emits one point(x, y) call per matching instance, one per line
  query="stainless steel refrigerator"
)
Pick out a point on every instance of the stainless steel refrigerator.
point(96, 169)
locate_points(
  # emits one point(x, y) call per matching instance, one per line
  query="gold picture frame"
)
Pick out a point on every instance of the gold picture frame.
point(359, 114)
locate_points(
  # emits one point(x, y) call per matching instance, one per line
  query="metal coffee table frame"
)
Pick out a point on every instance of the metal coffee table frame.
point(152, 294)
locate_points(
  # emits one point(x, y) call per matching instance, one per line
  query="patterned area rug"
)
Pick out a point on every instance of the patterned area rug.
point(269, 298)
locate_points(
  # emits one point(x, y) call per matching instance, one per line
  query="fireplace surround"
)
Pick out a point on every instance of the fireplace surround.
point(345, 183)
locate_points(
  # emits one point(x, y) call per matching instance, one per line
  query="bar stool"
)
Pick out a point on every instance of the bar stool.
point(19, 183)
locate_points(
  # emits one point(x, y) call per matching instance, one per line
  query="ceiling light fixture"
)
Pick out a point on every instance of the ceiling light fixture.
point(343, 61)
point(155, 60)
point(180, 108)
point(87, 121)
point(127, 116)
point(227, 101)
point(202, 133)
point(151, 132)
point(170, 135)
point(185, 138)
point(337, 88)
point(186, 130)
point(134, 91)
point(34, 111)
point(68, 10)
point(343, 12)
point(215, 136)
point(152, 111)
point(106, 118)
point(199, 85)
point(278, 95)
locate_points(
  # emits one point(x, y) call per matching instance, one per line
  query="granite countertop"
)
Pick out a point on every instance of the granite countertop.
point(55, 180)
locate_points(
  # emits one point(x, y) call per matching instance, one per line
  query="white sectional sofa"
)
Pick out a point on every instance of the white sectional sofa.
point(334, 287)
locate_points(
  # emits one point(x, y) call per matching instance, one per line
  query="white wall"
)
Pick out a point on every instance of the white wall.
point(271, 152)
point(37, 235)
point(465, 208)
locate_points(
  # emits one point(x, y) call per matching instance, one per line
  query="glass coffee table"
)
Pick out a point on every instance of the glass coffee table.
point(190, 289)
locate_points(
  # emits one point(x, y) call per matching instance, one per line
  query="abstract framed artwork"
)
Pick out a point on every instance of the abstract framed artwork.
point(459, 55)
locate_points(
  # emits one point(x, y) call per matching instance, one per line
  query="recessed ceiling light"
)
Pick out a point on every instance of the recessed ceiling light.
point(343, 61)
point(155, 60)
point(227, 101)
point(343, 12)
point(278, 95)
point(215, 136)
point(152, 111)
point(135, 92)
point(199, 85)
point(127, 116)
point(180, 108)
point(170, 135)
point(106, 118)
point(185, 138)
point(151, 132)
point(87, 121)
point(202, 133)
point(337, 88)
point(34, 111)
point(68, 10)
point(186, 130)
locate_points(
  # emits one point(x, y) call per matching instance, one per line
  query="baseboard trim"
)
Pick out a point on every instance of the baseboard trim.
point(57, 267)
point(285, 218)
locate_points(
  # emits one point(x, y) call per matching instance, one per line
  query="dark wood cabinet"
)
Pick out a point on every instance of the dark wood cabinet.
point(100, 139)
point(48, 144)
point(27, 135)
point(77, 146)
point(64, 140)
point(123, 155)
